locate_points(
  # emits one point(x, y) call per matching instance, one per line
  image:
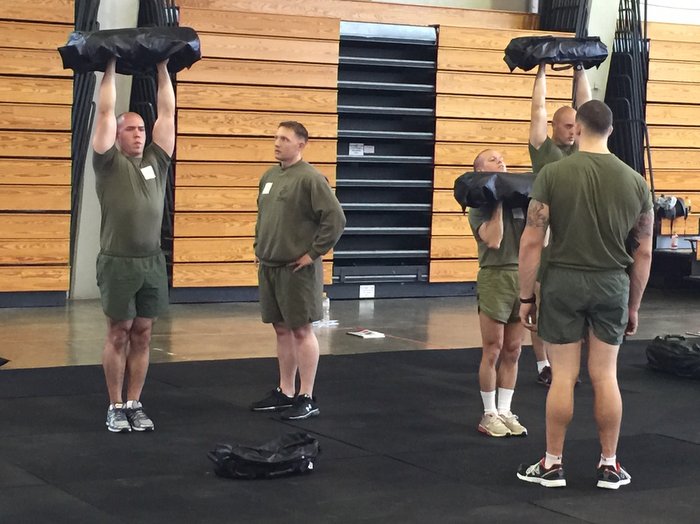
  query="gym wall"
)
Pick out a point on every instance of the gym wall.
point(35, 146)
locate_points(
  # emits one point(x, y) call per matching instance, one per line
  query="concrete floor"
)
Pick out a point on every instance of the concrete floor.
point(73, 335)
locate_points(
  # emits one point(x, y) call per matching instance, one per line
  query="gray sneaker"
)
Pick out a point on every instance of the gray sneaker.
point(116, 419)
point(137, 417)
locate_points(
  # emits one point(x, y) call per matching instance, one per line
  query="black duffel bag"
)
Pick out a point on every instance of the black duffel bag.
point(485, 188)
point(137, 50)
point(674, 354)
point(527, 52)
point(290, 454)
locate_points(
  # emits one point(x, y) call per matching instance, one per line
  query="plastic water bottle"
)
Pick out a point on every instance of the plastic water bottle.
point(326, 309)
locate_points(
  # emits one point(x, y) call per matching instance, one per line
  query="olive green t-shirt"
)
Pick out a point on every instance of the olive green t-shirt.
point(131, 192)
point(298, 213)
point(547, 153)
point(594, 202)
point(506, 256)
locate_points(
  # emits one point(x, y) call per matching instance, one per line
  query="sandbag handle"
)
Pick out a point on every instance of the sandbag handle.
point(674, 337)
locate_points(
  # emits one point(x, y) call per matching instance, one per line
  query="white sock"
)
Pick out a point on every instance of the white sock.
point(541, 364)
point(505, 397)
point(550, 460)
point(130, 404)
point(116, 406)
point(489, 400)
point(612, 461)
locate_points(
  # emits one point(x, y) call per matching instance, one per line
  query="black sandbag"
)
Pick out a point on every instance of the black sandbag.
point(676, 355)
point(527, 52)
point(137, 50)
point(290, 454)
point(484, 188)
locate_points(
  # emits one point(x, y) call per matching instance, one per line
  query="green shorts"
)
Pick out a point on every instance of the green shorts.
point(574, 300)
point(497, 291)
point(291, 298)
point(132, 287)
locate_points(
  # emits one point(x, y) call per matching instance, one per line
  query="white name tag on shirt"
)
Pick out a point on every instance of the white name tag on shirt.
point(267, 188)
point(148, 172)
point(518, 213)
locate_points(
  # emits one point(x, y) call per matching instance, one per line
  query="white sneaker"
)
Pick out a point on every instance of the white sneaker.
point(492, 425)
point(512, 423)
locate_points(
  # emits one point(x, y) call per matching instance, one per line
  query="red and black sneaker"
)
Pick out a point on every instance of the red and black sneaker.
point(612, 477)
point(537, 473)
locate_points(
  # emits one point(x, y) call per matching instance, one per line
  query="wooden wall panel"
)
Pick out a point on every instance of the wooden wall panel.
point(47, 251)
point(673, 32)
point(215, 224)
point(483, 131)
point(31, 10)
point(225, 274)
point(361, 11)
point(227, 149)
point(256, 73)
point(36, 94)
point(36, 90)
point(33, 171)
point(240, 123)
point(254, 23)
point(259, 48)
point(462, 153)
point(672, 181)
point(229, 174)
point(216, 199)
point(31, 62)
point(214, 250)
point(34, 198)
point(487, 108)
point(45, 117)
point(674, 50)
point(673, 114)
point(444, 202)
point(453, 270)
point(249, 98)
point(453, 247)
point(35, 144)
point(34, 226)
point(490, 84)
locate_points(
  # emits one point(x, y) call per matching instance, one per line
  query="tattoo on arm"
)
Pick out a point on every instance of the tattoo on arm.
point(537, 214)
point(643, 228)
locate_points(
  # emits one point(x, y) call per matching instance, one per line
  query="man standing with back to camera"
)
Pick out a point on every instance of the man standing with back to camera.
point(299, 221)
point(131, 273)
point(594, 204)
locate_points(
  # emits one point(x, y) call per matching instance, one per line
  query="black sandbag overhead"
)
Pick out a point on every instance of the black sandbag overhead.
point(527, 52)
point(485, 188)
point(137, 50)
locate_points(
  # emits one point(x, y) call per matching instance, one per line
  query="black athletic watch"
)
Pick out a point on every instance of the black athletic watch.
point(530, 300)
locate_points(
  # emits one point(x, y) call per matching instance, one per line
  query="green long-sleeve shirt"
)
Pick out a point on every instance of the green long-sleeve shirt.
point(298, 213)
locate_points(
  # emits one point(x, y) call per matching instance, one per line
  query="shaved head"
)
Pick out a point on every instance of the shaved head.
point(489, 160)
point(563, 123)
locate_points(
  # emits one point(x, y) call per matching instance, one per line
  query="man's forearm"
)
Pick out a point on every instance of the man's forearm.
point(639, 276)
point(107, 97)
point(166, 93)
point(583, 89)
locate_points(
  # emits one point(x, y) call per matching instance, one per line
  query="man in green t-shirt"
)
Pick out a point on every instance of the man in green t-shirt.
point(131, 274)
point(497, 232)
point(544, 150)
point(595, 205)
point(299, 221)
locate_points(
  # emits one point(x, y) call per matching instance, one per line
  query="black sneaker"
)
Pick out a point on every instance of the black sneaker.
point(137, 417)
point(549, 478)
point(274, 401)
point(545, 376)
point(304, 407)
point(612, 477)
